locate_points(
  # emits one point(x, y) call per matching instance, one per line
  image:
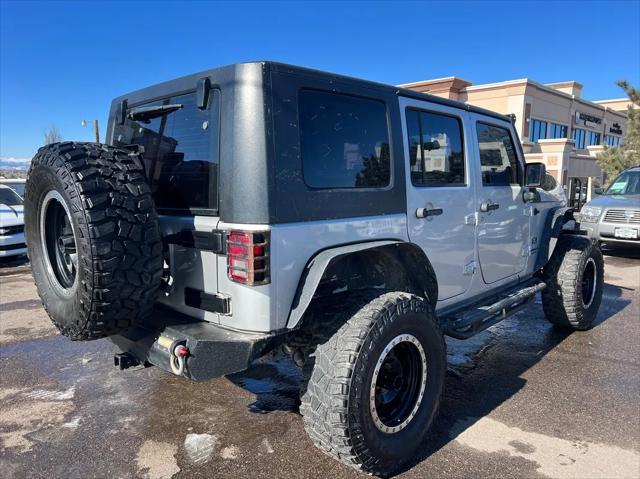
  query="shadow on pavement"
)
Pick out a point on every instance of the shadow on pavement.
point(621, 251)
point(13, 264)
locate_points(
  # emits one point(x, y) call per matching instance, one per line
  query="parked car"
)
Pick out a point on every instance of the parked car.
point(613, 217)
point(17, 184)
point(12, 242)
point(261, 206)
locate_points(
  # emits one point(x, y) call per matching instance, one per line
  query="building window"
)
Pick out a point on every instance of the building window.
point(579, 137)
point(344, 141)
point(537, 130)
point(557, 131)
point(498, 160)
point(435, 149)
point(593, 138)
point(612, 140)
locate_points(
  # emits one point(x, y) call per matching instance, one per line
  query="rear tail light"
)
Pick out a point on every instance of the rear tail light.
point(248, 257)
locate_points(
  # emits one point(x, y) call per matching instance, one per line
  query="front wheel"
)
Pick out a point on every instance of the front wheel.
point(575, 280)
point(375, 384)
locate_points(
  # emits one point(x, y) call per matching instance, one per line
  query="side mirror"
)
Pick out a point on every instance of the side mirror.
point(598, 191)
point(534, 174)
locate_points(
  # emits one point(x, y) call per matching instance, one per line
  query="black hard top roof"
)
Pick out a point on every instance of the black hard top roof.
point(276, 66)
point(285, 68)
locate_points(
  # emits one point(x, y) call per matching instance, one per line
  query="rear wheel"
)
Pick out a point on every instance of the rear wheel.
point(93, 238)
point(375, 384)
point(575, 280)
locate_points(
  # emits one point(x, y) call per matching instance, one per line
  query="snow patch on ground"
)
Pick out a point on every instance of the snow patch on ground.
point(43, 394)
point(230, 452)
point(557, 458)
point(157, 460)
point(200, 447)
point(267, 446)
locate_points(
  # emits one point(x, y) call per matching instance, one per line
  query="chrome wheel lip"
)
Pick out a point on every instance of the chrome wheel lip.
point(401, 338)
point(590, 261)
point(49, 198)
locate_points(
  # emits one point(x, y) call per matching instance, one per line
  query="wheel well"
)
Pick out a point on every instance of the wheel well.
point(395, 266)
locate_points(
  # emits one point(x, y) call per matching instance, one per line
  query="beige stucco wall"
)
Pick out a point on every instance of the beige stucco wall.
point(618, 104)
point(553, 103)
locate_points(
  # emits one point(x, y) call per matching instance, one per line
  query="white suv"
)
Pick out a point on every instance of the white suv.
point(11, 223)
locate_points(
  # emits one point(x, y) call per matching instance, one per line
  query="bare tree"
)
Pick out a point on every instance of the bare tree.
point(52, 135)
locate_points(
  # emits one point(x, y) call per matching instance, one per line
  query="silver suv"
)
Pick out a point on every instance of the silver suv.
point(353, 225)
point(614, 217)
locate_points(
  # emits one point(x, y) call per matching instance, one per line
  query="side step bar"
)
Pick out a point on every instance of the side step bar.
point(481, 316)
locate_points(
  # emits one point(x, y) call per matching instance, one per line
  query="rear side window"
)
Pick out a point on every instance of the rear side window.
point(498, 160)
point(181, 153)
point(435, 149)
point(344, 141)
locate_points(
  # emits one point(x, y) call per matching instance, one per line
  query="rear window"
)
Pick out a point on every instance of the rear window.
point(181, 153)
point(344, 141)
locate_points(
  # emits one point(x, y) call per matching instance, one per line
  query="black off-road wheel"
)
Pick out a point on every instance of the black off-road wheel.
point(575, 281)
point(374, 384)
point(93, 238)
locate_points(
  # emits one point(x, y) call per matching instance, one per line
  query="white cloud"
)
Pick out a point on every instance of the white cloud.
point(12, 163)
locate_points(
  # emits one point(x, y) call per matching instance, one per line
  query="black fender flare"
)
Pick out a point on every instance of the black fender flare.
point(408, 255)
point(554, 224)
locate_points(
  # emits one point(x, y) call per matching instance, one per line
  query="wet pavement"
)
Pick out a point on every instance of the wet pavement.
point(522, 399)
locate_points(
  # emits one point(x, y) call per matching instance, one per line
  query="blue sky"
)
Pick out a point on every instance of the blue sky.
point(62, 62)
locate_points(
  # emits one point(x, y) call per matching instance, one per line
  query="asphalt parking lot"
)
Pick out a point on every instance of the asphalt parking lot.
point(522, 399)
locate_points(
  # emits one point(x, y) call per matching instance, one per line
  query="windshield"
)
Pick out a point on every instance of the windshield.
point(9, 197)
point(628, 183)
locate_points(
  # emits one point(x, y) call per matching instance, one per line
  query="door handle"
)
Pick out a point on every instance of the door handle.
point(428, 212)
point(488, 206)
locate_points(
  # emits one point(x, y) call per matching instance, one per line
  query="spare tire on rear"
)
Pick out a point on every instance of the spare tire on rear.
point(93, 238)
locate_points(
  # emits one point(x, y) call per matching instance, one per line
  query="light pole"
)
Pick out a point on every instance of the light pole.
point(96, 129)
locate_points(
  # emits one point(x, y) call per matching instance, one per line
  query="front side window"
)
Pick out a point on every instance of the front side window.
point(435, 149)
point(344, 141)
point(557, 131)
point(537, 131)
point(181, 153)
point(498, 160)
point(579, 137)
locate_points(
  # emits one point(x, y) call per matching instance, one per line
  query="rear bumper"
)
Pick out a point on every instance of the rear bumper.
point(214, 351)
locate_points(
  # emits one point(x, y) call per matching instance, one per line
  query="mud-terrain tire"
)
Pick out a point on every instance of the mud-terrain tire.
point(340, 409)
point(575, 280)
point(93, 238)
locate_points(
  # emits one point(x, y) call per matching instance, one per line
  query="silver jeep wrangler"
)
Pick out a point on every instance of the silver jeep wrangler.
point(263, 206)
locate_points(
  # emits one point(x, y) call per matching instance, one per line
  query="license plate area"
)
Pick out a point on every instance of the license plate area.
point(626, 233)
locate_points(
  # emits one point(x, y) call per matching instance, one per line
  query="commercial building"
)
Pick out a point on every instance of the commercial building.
point(555, 124)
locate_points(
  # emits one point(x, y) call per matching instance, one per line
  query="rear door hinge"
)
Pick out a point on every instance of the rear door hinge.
point(470, 268)
point(471, 219)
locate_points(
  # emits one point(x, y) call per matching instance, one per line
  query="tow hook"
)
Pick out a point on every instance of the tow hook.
point(178, 359)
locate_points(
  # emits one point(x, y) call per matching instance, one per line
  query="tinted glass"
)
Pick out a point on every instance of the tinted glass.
point(538, 130)
point(498, 160)
point(593, 138)
point(558, 131)
point(579, 137)
point(344, 141)
point(9, 197)
point(180, 153)
point(435, 148)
